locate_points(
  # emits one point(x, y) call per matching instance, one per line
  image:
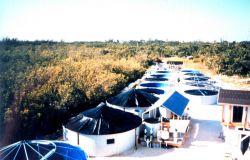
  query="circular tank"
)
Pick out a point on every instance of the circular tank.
point(162, 71)
point(159, 75)
point(202, 96)
point(189, 70)
point(154, 91)
point(196, 79)
point(152, 125)
point(154, 85)
point(194, 74)
point(202, 92)
point(155, 79)
point(195, 85)
point(102, 145)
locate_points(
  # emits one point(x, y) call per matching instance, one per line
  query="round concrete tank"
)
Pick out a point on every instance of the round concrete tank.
point(202, 96)
point(154, 85)
point(103, 131)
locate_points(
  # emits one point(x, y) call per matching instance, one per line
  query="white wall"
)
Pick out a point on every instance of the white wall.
point(244, 115)
point(96, 145)
point(227, 114)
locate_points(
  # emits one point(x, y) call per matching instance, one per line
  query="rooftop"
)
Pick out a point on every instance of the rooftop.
point(237, 97)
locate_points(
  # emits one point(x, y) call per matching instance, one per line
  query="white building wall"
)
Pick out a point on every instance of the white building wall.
point(244, 115)
point(227, 114)
point(96, 145)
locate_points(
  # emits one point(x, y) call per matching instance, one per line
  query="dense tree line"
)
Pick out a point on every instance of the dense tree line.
point(43, 83)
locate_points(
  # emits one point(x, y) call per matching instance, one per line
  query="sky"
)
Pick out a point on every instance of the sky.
point(124, 20)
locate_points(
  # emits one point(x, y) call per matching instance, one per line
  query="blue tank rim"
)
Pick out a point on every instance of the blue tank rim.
point(153, 90)
point(154, 85)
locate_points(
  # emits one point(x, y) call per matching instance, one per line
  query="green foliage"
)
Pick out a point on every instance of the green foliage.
point(43, 83)
point(227, 58)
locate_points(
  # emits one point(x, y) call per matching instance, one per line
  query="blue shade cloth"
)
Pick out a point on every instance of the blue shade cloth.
point(42, 149)
point(65, 151)
point(176, 103)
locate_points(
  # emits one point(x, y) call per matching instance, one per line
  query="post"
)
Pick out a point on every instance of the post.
point(78, 141)
point(246, 114)
point(230, 113)
point(136, 139)
point(223, 113)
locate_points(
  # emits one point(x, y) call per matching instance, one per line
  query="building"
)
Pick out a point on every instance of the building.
point(235, 118)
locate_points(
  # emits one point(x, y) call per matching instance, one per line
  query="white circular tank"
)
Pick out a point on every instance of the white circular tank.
point(152, 125)
point(103, 131)
point(102, 145)
point(202, 96)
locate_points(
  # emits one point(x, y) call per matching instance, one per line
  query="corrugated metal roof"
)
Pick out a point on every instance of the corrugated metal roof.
point(237, 97)
point(176, 103)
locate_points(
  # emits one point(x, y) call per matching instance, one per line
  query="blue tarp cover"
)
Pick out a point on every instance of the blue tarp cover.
point(176, 103)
